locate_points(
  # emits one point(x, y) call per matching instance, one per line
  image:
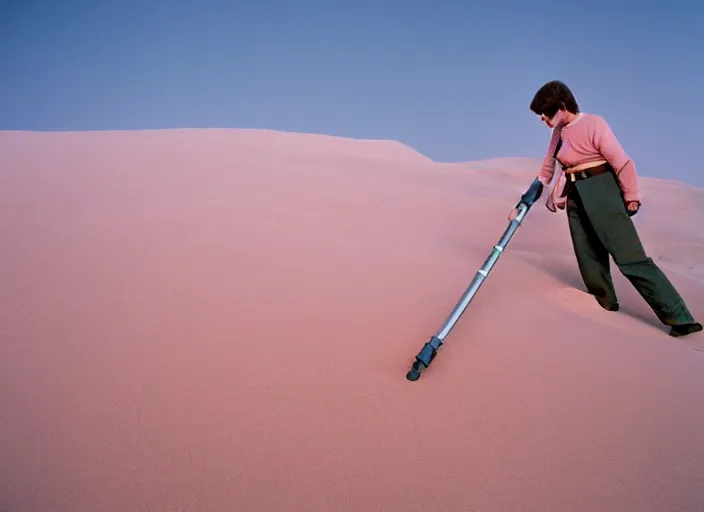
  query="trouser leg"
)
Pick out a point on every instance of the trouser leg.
point(603, 205)
point(592, 257)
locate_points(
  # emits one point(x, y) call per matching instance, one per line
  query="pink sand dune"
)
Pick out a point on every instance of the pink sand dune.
point(222, 320)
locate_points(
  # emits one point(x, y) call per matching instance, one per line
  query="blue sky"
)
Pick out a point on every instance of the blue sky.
point(452, 79)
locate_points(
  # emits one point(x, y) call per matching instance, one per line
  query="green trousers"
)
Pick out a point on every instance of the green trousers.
point(601, 227)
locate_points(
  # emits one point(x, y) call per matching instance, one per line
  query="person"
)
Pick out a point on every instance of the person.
point(598, 188)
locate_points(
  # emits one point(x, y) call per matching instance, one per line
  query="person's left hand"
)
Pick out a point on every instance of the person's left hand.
point(633, 208)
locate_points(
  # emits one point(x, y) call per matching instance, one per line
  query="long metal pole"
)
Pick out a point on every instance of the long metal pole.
point(429, 350)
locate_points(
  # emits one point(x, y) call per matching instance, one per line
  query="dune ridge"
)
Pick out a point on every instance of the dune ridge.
point(197, 320)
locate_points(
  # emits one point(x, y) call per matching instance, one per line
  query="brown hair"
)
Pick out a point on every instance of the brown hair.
point(553, 96)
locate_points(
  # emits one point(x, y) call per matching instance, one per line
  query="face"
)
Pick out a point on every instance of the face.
point(555, 120)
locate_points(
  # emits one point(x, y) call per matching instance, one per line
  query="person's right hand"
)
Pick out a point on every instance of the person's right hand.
point(514, 213)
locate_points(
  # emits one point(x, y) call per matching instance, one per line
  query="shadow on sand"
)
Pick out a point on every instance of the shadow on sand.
point(564, 269)
point(569, 275)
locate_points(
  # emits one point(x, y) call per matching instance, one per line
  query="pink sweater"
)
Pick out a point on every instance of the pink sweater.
point(586, 139)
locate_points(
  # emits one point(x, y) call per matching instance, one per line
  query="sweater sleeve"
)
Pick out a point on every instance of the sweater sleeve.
point(608, 145)
point(547, 169)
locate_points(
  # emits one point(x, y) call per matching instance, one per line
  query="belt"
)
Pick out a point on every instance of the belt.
point(587, 173)
point(584, 174)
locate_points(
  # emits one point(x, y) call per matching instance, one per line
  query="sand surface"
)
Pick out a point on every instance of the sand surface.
point(222, 320)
